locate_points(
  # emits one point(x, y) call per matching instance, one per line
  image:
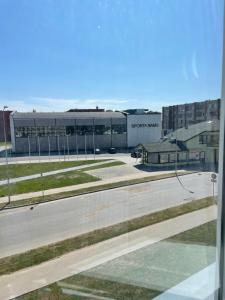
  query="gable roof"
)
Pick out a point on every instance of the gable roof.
point(185, 134)
point(164, 146)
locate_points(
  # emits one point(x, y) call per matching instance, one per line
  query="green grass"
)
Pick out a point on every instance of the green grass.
point(92, 189)
point(19, 170)
point(47, 182)
point(36, 256)
point(85, 283)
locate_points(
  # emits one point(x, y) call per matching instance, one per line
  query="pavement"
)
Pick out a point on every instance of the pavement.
point(125, 157)
point(22, 229)
point(33, 278)
point(59, 171)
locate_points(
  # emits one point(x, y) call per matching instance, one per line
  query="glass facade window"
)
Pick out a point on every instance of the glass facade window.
point(84, 129)
point(119, 129)
point(70, 130)
point(102, 129)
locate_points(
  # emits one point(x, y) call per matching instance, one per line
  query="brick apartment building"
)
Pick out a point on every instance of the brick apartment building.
point(178, 116)
point(7, 126)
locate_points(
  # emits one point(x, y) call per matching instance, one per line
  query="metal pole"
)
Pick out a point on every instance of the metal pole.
point(64, 147)
point(6, 155)
point(39, 149)
point(68, 147)
point(39, 152)
point(94, 138)
point(85, 145)
point(58, 146)
point(49, 148)
point(76, 146)
point(29, 148)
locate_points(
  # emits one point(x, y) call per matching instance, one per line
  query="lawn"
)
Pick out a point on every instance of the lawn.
point(19, 170)
point(159, 266)
point(47, 182)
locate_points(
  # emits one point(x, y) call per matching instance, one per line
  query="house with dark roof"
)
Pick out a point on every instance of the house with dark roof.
point(194, 145)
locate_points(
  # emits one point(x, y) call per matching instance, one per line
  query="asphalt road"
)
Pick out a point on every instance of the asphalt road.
point(22, 229)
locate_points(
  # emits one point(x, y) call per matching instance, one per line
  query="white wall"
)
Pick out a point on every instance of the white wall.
point(144, 129)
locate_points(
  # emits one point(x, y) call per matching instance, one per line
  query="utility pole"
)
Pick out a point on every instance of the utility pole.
point(6, 155)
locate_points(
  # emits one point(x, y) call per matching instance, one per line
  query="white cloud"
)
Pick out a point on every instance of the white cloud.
point(43, 104)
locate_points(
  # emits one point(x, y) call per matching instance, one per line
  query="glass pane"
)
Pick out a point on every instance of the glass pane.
point(109, 149)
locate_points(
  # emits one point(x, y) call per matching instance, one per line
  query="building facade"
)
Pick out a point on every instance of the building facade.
point(183, 115)
point(143, 127)
point(4, 116)
point(75, 131)
point(196, 145)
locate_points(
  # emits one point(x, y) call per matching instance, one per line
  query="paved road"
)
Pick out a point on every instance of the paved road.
point(23, 229)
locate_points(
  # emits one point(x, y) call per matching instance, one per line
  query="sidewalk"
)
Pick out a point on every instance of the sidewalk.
point(84, 185)
point(24, 281)
point(18, 179)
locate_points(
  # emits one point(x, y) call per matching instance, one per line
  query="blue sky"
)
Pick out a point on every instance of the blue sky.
point(56, 55)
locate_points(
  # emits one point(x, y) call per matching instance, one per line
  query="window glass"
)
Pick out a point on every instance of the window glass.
point(110, 176)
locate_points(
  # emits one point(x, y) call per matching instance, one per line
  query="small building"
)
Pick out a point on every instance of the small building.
point(194, 145)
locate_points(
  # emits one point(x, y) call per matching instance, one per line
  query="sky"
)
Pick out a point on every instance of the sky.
point(114, 54)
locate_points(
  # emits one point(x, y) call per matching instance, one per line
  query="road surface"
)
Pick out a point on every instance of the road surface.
point(23, 229)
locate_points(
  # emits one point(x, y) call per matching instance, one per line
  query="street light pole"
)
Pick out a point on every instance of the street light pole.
point(6, 154)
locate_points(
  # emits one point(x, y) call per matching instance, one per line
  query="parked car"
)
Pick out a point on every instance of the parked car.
point(136, 154)
point(97, 151)
point(112, 150)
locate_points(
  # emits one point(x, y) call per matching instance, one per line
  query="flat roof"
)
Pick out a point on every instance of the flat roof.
point(67, 115)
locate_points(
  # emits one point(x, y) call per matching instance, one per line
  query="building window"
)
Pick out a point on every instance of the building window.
point(84, 129)
point(164, 158)
point(119, 129)
point(172, 157)
point(102, 129)
point(70, 130)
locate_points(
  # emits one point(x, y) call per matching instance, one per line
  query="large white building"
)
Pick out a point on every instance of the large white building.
point(77, 130)
point(143, 127)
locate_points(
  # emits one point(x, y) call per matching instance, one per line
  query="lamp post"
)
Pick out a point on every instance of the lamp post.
point(6, 154)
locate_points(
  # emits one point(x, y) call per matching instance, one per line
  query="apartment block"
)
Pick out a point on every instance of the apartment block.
point(183, 115)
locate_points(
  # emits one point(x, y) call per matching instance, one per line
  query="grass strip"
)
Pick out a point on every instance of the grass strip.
point(19, 170)
point(48, 182)
point(93, 189)
point(36, 256)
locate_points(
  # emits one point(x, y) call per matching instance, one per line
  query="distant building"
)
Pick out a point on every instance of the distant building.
point(83, 129)
point(183, 115)
point(87, 109)
point(7, 125)
point(196, 145)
